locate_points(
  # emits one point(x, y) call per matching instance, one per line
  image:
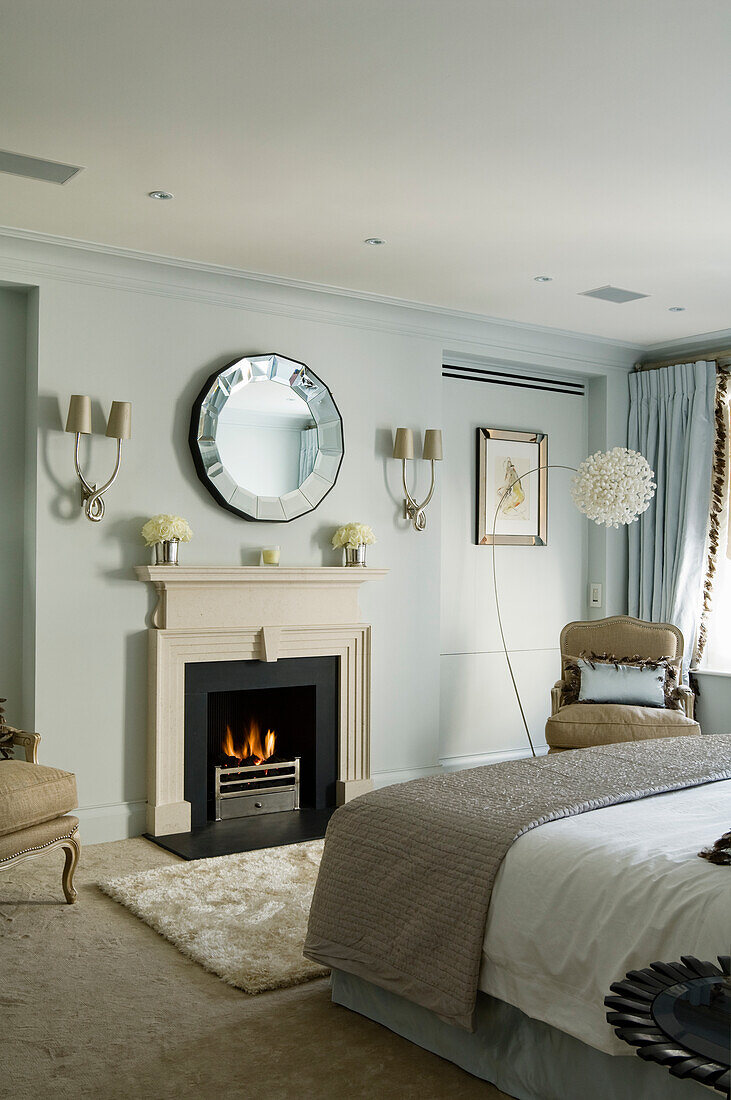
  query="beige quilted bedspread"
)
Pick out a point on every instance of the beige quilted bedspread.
point(407, 871)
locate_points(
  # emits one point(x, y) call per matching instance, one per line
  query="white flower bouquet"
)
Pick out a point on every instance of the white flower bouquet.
point(353, 534)
point(165, 528)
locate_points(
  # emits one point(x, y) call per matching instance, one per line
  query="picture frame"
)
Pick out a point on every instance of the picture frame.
point(501, 457)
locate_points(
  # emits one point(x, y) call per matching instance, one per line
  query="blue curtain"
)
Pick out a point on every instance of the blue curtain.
point(671, 422)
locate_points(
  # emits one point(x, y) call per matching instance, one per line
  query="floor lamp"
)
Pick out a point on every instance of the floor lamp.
point(612, 488)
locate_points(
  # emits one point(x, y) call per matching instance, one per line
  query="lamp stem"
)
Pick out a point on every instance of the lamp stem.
point(550, 466)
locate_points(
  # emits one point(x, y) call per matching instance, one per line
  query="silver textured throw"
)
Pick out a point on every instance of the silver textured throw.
point(407, 872)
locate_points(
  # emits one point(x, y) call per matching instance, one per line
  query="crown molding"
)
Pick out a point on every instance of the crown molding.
point(703, 342)
point(368, 310)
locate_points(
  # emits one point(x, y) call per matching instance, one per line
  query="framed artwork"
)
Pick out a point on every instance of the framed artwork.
point(521, 506)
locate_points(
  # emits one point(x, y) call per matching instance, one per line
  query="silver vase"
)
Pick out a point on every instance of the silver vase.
point(166, 553)
point(355, 555)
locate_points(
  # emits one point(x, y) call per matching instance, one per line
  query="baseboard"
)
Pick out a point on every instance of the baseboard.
point(385, 779)
point(458, 763)
point(452, 764)
point(117, 821)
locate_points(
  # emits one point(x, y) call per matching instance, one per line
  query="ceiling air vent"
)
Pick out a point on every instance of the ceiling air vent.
point(613, 294)
point(33, 168)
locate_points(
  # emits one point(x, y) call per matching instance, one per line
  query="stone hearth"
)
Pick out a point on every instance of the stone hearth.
point(260, 613)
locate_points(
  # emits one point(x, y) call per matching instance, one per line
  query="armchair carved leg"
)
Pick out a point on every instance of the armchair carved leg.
point(72, 850)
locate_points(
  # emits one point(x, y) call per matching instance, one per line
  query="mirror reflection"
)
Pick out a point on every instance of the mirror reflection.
point(267, 438)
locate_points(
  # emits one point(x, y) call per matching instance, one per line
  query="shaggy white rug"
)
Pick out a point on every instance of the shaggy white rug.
point(244, 917)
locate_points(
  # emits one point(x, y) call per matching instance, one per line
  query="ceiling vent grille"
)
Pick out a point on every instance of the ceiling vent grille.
point(510, 378)
point(33, 168)
point(613, 294)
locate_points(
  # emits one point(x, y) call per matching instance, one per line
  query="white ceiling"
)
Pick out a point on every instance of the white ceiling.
point(488, 141)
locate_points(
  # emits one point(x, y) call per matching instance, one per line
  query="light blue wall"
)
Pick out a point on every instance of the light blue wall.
point(13, 319)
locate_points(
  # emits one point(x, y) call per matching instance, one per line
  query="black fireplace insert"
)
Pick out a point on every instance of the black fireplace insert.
point(250, 720)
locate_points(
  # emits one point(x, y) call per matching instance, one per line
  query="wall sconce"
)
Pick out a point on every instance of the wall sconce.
point(119, 427)
point(403, 448)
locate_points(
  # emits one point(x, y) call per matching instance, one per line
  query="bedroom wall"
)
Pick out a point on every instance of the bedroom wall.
point(126, 327)
point(541, 588)
point(13, 320)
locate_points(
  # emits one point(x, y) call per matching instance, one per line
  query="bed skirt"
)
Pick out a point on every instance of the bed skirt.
point(522, 1057)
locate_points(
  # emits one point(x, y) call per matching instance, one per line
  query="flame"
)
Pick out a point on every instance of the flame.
point(250, 745)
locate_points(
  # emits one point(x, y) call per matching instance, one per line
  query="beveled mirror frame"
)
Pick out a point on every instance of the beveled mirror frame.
point(330, 441)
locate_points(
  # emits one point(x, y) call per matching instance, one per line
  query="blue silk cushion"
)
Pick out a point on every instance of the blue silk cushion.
point(629, 684)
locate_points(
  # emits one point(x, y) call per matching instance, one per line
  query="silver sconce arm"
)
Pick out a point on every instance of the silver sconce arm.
point(119, 427)
point(413, 511)
point(91, 497)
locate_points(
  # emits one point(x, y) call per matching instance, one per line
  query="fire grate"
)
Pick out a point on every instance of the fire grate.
point(252, 789)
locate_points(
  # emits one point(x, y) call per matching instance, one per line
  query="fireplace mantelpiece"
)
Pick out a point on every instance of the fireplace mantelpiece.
point(222, 613)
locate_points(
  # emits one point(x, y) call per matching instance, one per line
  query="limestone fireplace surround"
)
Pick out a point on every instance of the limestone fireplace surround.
point(221, 613)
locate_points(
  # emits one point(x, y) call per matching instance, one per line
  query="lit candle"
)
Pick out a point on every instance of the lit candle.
point(270, 555)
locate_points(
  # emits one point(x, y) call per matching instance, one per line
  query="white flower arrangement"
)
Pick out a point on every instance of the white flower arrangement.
point(613, 487)
point(164, 528)
point(353, 534)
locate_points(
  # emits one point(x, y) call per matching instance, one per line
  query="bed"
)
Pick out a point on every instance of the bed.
point(603, 878)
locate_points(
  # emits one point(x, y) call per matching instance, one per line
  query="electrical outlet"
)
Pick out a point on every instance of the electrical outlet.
point(595, 594)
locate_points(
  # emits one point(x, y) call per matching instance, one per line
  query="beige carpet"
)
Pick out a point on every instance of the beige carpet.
point(243, 917)
point(94, 1003)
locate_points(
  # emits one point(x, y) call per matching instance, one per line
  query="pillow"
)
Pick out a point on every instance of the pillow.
point(633, 685)
point(604, 678)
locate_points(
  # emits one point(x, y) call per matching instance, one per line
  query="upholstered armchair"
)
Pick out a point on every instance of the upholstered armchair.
point(34, 805)
point(577, 725)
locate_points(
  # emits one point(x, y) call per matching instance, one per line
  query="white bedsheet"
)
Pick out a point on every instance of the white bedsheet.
point(579, 902)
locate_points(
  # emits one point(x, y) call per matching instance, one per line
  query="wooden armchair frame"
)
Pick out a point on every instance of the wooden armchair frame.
point(70, 843)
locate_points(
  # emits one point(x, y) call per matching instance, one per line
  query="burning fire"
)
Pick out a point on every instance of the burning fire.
point(251, 745)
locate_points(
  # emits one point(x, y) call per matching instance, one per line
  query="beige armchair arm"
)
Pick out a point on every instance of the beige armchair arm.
point(687, 700)
point(556, 694)
point(27, 741)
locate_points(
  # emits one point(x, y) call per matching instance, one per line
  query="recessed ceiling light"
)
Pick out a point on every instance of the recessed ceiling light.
point(374, 240)
point(676, 309)
point(160, 195)
point(543, 278)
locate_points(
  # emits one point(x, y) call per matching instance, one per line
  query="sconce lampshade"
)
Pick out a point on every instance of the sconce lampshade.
point(403, 446)
point(119, 425)
point(79, 417)
point(433, 444)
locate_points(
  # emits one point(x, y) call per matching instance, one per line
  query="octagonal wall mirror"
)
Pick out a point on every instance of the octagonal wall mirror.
point(266, 438)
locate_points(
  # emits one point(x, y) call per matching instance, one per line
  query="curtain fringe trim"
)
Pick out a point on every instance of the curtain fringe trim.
point(718, 497)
